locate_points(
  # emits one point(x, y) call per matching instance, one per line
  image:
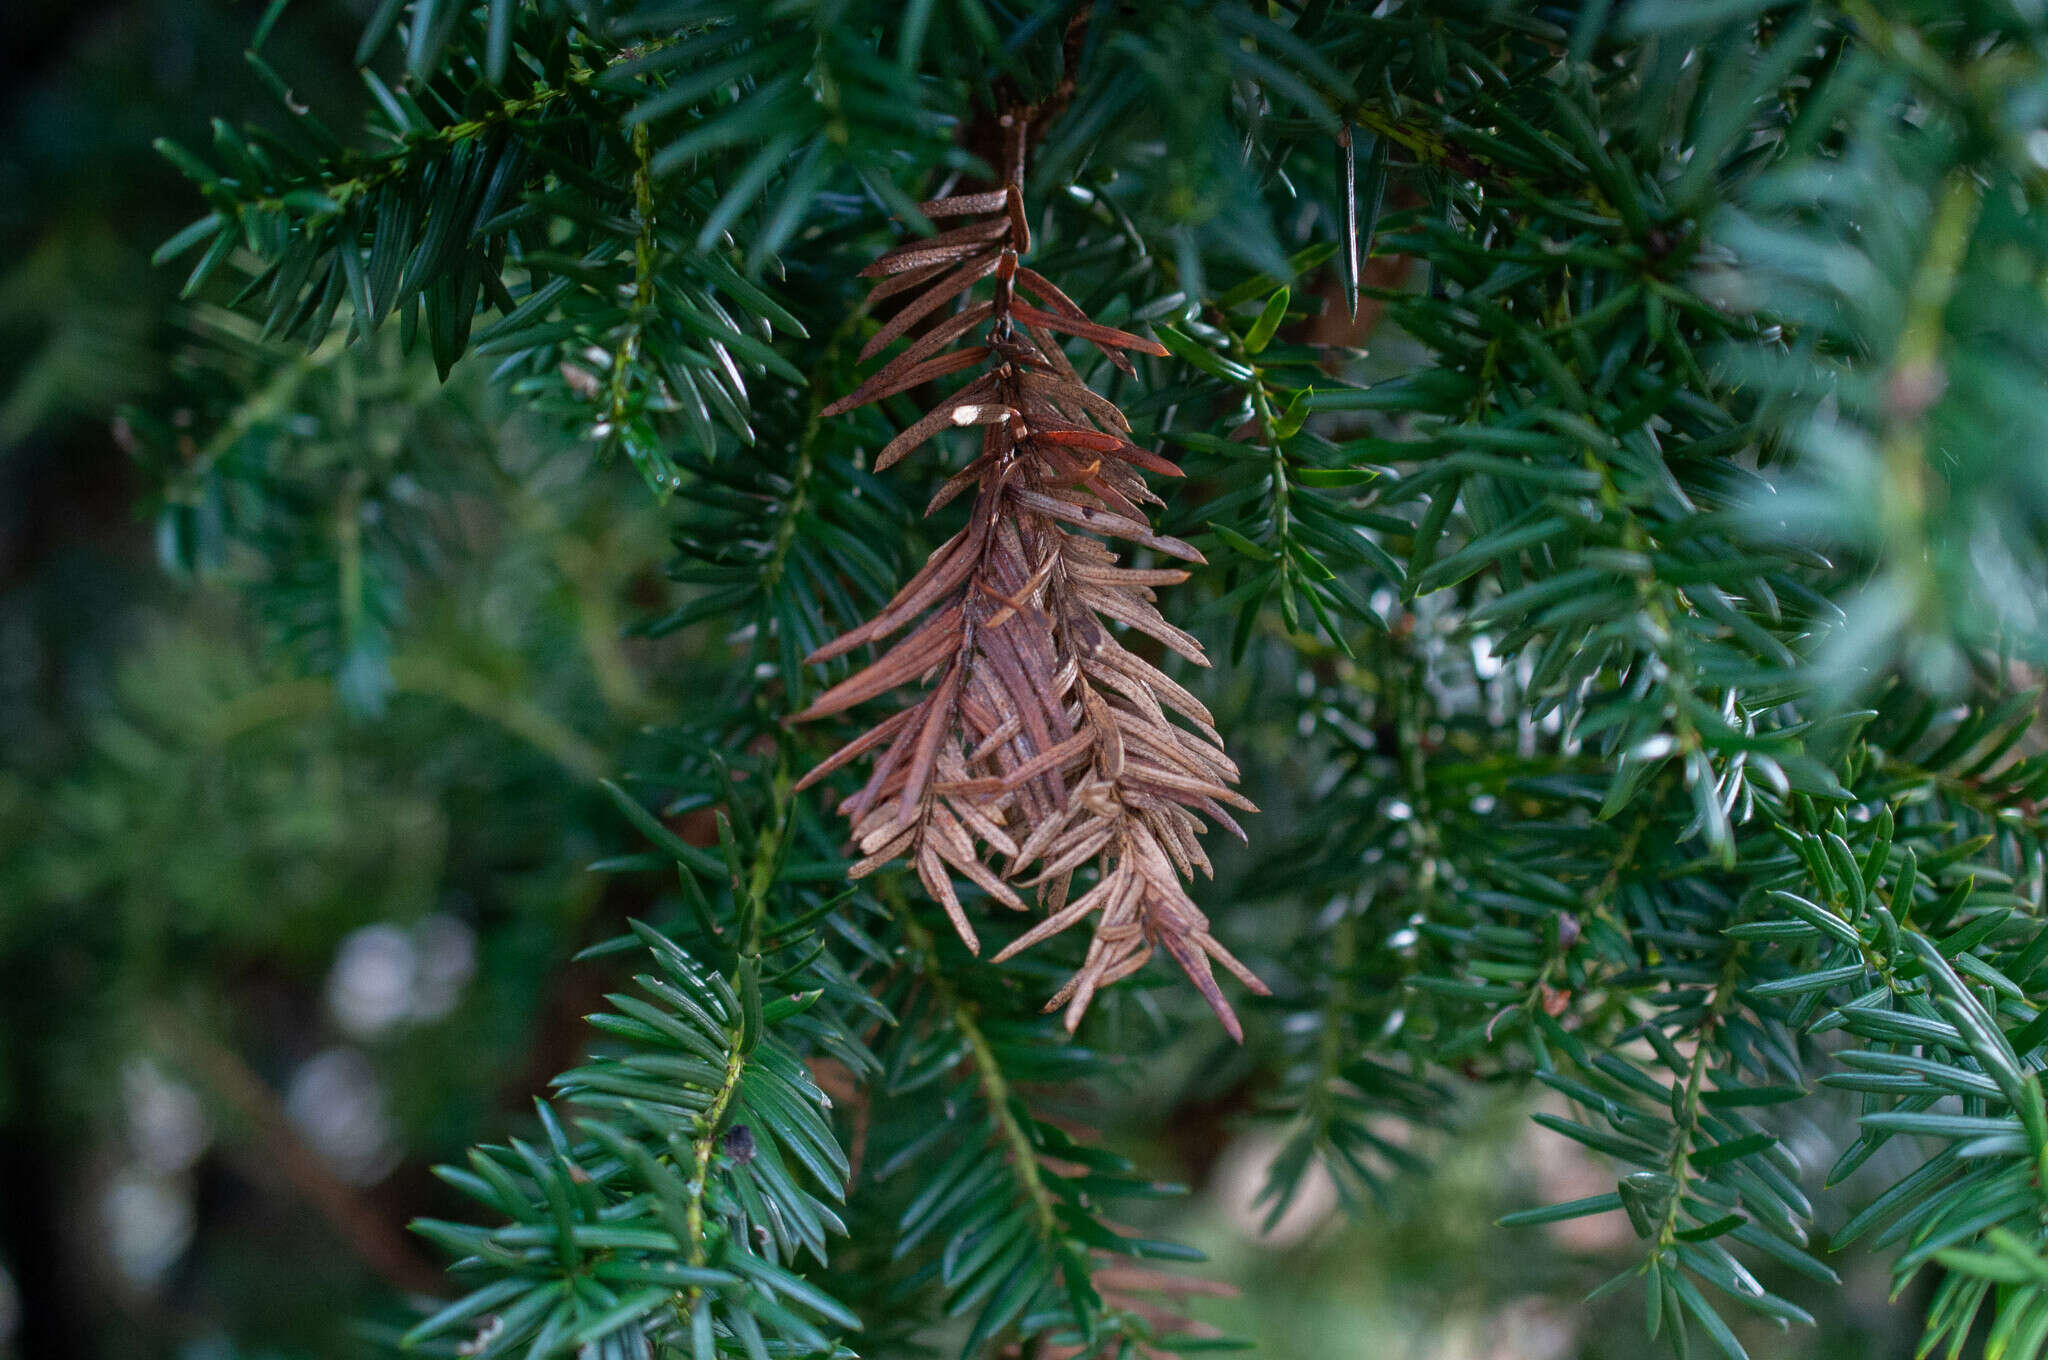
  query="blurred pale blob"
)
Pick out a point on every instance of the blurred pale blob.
point(1563, 1171)
point(385, 975)
point(167, 1127)
point(1241, 1174)
point(148, 1222)
point(146, 1209)
point(1528, 1328)
point(338, 1106)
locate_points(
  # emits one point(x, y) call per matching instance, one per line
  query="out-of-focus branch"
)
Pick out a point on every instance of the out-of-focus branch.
point(379, 1243)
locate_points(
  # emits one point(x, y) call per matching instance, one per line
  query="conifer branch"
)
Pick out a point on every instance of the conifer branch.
point(988, 1074)
point(1696, 499)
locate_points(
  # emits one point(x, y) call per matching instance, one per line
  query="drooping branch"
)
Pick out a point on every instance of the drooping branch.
point(1041, 744)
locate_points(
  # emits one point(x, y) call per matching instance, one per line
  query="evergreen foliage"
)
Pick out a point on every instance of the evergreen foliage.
point(1610, 491)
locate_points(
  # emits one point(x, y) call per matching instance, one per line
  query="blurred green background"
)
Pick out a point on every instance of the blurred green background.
point(264, 960)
